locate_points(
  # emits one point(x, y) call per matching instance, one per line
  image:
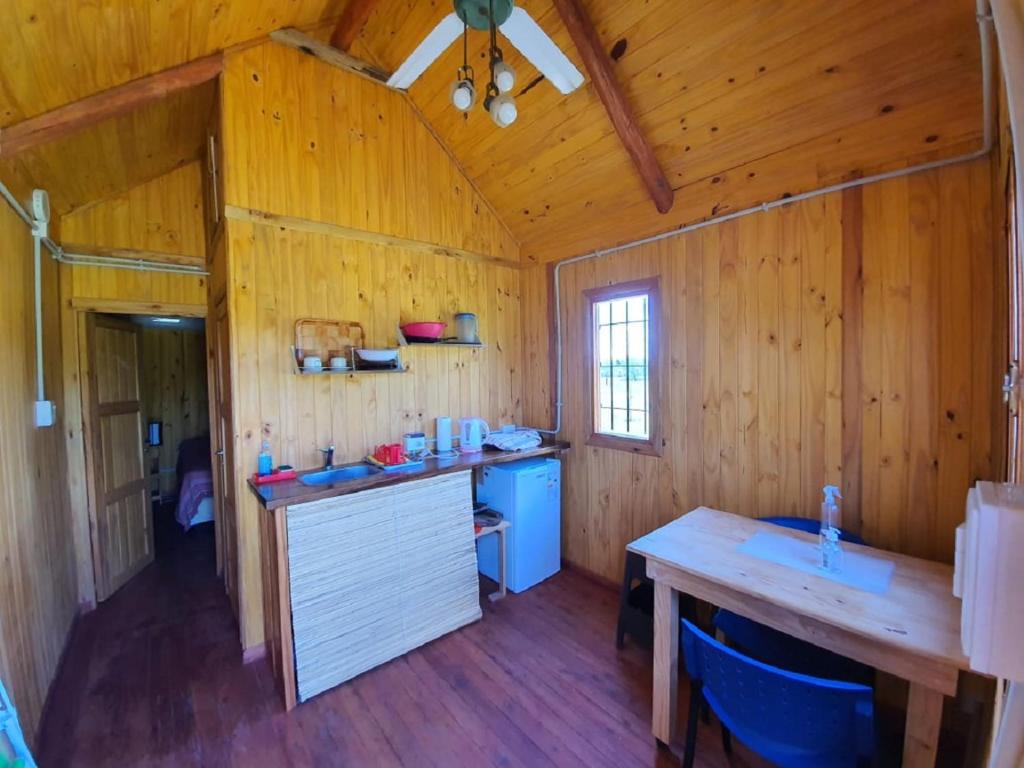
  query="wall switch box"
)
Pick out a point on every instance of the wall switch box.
point(46, 413)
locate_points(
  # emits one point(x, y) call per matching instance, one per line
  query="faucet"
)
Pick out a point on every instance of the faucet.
point(328, 453)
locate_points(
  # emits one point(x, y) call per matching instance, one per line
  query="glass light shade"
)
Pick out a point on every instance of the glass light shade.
point(503, 111)
point(463, 95)
point(504, 77)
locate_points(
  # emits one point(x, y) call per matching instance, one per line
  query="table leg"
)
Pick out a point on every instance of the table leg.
point(502, 583)
point(924, 719)
point(666, 662)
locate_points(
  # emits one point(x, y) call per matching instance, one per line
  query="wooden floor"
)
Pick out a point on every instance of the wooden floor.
point(154, 677)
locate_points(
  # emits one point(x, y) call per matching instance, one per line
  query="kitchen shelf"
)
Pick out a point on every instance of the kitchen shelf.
point(403, 342)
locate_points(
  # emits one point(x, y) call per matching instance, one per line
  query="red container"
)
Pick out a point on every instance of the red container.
point(424, 330)
point(389, 454)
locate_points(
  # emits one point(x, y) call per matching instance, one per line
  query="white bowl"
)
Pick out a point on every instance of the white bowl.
point(339, 364)
point(377, 355)
point(313, 363)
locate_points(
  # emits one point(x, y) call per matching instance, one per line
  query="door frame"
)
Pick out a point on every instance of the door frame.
point(80, 455)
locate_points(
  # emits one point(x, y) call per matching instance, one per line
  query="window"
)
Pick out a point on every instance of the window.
point(622, 328)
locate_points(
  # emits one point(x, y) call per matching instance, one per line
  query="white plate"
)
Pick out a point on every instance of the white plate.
point(378, 355)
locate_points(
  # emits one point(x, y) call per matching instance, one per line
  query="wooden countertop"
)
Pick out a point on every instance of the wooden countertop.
point(294, 492)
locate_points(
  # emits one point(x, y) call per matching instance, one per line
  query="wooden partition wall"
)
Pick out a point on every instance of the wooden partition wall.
point(342, 205)
point(854, 339)
point(37, 587)
point(163, 215)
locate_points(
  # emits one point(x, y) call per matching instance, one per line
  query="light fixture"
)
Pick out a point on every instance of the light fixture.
point(463, 95)
point(503, 110)
point(463, 91)
point(504, 76)
point(167, 320)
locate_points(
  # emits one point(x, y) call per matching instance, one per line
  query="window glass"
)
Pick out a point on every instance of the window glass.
point(621, 366)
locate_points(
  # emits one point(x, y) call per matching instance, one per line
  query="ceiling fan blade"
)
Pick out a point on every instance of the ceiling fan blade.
point(427, 52)
point(533, 42)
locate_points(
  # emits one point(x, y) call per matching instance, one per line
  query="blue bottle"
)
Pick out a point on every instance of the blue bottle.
point(266, 461)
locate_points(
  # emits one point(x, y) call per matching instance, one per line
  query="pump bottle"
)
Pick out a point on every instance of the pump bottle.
point(828, 537)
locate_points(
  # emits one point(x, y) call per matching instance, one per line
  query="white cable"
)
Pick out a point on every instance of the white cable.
point(984, 31)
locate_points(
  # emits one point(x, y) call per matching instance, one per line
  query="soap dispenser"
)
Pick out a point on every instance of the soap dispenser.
point(828, 537)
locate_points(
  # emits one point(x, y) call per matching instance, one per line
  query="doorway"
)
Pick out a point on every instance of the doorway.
point(146, 406)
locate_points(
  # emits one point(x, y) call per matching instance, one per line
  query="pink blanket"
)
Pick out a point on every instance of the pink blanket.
point(196, 486)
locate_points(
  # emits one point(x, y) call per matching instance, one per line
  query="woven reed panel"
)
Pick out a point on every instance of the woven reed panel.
point(378, 573)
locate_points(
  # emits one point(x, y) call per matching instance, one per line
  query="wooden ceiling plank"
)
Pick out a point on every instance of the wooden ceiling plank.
point(599, 67)
point(114, 102)
point(350, 25)
point(310, 46)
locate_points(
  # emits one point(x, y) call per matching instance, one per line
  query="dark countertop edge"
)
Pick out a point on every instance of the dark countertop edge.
point(305, 494)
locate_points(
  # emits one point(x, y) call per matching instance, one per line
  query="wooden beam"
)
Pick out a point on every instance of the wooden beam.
point(312, 226)
point(300, 41)
point(104, 105)
point(351, 23)
point(599, 67)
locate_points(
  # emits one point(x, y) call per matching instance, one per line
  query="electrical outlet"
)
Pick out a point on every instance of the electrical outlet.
point(46, 413)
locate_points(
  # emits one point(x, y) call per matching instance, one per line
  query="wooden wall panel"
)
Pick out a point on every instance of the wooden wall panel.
point(174, 391)
point(304, 140)
point(307, 140)
point(37, 586)
point(164, 215)
point(755, 352)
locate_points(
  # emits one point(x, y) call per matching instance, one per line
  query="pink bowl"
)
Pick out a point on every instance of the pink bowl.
point(424, 330)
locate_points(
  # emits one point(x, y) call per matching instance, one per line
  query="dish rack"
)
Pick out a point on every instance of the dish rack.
point(335, 338)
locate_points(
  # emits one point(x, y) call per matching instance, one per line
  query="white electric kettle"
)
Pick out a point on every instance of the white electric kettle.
point(472, 433)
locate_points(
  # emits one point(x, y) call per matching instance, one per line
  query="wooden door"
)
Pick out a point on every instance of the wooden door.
point(122, 532)
point(223, 443)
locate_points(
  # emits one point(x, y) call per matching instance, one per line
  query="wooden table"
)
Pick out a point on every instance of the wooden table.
point(912, 631)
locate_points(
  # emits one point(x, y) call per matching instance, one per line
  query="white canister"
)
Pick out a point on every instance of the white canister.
point(465, 328)
point(444, 434)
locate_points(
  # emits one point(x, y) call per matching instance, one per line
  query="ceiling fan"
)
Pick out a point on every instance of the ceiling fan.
point(493, 16)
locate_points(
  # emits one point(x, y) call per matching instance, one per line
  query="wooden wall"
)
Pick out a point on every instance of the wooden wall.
point(37, 564)
point(307, 141)
point(164, 212)
point(174, 392)
point(783, 373)
point(164, 215)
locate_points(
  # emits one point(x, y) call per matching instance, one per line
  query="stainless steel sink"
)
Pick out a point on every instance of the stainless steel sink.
point(339, 475)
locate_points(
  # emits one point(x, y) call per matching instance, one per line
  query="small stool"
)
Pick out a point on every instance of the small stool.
point(499, 529)
point(636, 604)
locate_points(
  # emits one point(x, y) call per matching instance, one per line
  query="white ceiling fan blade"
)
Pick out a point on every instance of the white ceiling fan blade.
point(533, 42)
point(427, 52)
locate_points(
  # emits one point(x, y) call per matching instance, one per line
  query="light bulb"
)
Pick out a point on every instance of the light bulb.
point(504, 77)
point(503, 111)
point(463, 95)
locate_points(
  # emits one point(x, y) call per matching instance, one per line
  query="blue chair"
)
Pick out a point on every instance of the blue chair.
point(781, 650)
point(13, 749)
point(792, 720)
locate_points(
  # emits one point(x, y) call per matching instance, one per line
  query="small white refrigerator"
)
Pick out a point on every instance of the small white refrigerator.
point(528, 494)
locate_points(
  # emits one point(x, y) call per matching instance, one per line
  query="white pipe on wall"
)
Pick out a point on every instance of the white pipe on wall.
point(985, 33)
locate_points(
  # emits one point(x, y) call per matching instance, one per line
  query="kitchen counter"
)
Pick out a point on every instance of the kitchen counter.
point(293, 492)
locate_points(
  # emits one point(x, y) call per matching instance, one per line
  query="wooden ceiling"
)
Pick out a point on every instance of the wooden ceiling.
point(743, 101)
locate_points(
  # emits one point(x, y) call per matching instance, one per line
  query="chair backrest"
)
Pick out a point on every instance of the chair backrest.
point(13, 749)
point(793, 720)
point(809, 525)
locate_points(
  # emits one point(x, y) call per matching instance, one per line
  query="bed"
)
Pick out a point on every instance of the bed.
point(195, 478)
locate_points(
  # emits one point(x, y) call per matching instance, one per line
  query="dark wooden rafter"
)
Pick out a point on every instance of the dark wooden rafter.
point(599, 67)
point(300, 41)
point(351, 23)
point(113, 102)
